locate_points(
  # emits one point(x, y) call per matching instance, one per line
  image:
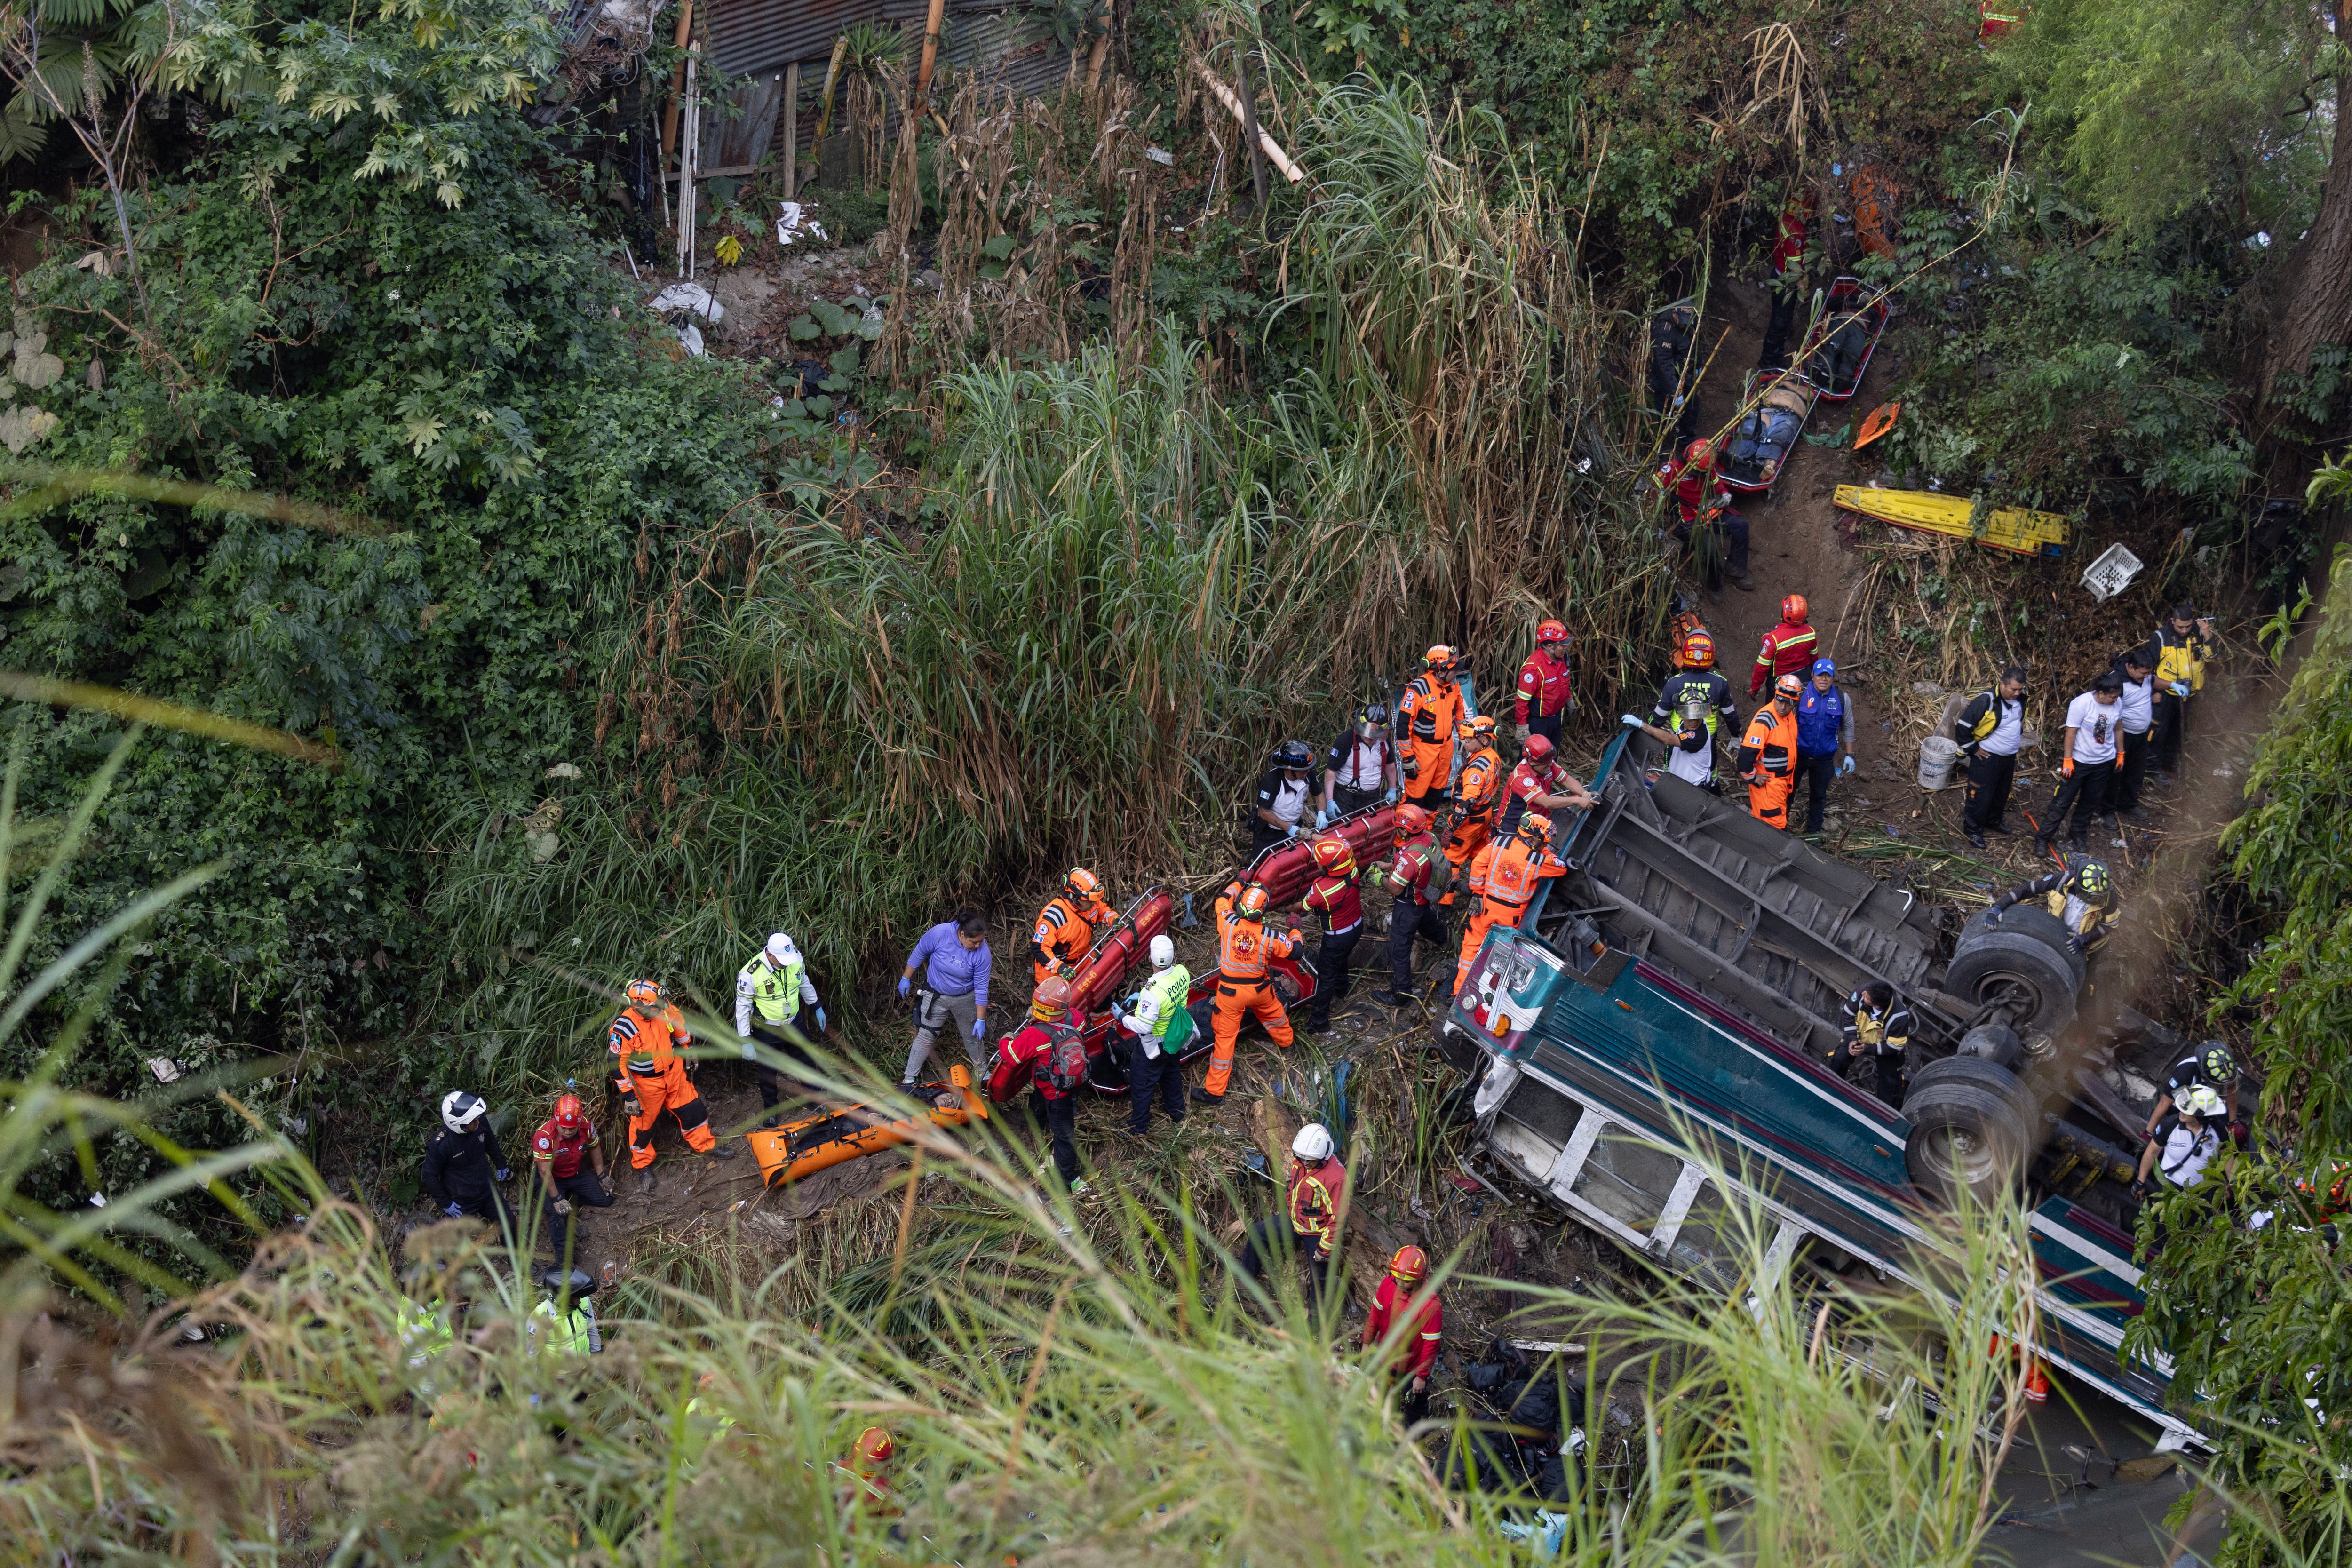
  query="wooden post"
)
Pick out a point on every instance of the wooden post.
point(1094, 60)
point(930, 49)
point(1250, 131)
point(678, 81)
point(792, 132)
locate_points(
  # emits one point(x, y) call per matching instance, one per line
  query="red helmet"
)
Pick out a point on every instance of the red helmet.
point(1793, 608)
point(875, 1445)
point(1699, 451)
point(1331, 853)
point(568, 1114)
point(1536, 748)
point(1410, 1265)
point(1551, 631)
point(1412, 818)
point(645, 993)
point(1052, 995)
point(1788, 686)
point(1698, 650)
point(1253, 903)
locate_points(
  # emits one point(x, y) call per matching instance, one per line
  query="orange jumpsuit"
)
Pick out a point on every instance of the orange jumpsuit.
point(1066, 934)
point(647, 1068)
point(1243, 946)
point(1515, 870)
point(1474, 810)
point(1425, 721)
point(1768, 761)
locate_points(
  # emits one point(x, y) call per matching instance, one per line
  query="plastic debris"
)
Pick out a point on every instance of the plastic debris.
point(165, 1070)
point(691, 298)
point(795, 221)
point(2111, 573)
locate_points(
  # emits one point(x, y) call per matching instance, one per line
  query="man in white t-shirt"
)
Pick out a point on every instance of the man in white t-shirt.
point(2085, 763)
point(1690, 756)
point(2137, 717)
point(2185, 1143)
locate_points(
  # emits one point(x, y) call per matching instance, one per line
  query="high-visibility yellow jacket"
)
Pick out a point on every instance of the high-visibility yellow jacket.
point(2179, 661)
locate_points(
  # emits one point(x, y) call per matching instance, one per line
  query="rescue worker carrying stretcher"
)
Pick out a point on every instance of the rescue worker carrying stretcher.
point(2080, 895)
point(1516, 869)
point(1412, 864)
point(1545, 696)
point(1243, 988)
point(1336, 894)
point(1425, 721)
point(1768, 754)
point(1064, 931)
point(1482, 781)
point(650, 1075)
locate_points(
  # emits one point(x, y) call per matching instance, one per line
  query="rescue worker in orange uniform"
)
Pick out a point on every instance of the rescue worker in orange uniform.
point(1064, 933)
point(1788, 648)
point(1402, 1307)
point(645, 1041)
point(1520, 864)
point(1244, 989)
point(1544, 696)
point(1425, 721)
point(1768, 754)
point(1483, 777)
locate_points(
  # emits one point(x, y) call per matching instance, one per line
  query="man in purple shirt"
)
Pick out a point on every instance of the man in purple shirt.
point(954, 958)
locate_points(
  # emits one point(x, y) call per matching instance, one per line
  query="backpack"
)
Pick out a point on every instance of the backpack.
point(1065, 1061)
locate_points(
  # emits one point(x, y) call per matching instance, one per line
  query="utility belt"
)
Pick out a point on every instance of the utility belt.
point(1514, 905)
point(1224, 980)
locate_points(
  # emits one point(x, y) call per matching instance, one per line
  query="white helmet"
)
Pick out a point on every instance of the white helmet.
point(2204, 1102)
point(781, 948)
point(460, 1110)
point(1313, 1143)
point(1163, 953)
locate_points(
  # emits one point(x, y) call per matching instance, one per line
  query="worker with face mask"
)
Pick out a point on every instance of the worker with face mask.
point(1289, 799)
point(1161, 1020)
point(1361, 767)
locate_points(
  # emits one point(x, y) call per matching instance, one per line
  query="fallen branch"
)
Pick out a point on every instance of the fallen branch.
point(1272, 148)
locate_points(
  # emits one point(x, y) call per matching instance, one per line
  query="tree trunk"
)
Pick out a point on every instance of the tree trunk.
point(2319, 308)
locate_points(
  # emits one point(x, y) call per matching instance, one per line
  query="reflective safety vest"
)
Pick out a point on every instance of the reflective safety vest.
point(424, 1333)
point(573, 1333)
point(1168, 991)
point(1315, 1192)
point(1481, 864)
point(2081, 918)
point(1065, 929)
point(2179, 661)
point(775, 987)
point(1519, 869)
point(1243, 947)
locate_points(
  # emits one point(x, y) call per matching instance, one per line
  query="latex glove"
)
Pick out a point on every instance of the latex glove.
point(1295, 830)
point(2178, 689)
point(1323, 818)
point(980, 1028)
point(1392, 797)
point(1845, 766)
point(1628, 720)
point(454, 1212)
point(823, 1026)
point(504, 1175)
point(750, 1051)
point(906, 985)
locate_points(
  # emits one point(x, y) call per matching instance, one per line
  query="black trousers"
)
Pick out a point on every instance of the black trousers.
point(1990, 776)
point(1816, 772)
point(1346, 799)
point(1409, 920)
point(1733, 527)
point(2171, 727)
point(1876, 1073)
point(492, 1205)
point(2082, 793)
point(1264, 836)
point(1331, 974)
point(583, 1188)
point(1545, 725)
point(771, 1082)
point(1162, 1074)
point(1272, 1239)
point(2131, 770)
point(1776, 332)
point(1060, 1119)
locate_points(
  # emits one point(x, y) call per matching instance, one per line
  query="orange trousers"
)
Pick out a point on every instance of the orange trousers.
point(1237, 1000)
point(1769, 802)
point(1461, 846)
point(669, 1090)
point(1435, 759)
point(1492, 913)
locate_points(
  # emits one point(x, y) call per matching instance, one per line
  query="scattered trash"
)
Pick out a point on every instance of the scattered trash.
point(795, 221)
point(1893, 831)
point(2111, 573)
point(691, 336)
point(98, 1200)
point(692, 298)
point(165, 1070)
point(295, 1126)
point(1925, 689)
point(563, 771)
point(1162, 156)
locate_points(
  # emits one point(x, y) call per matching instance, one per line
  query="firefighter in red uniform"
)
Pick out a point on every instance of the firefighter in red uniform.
point(1336, 895)
point(1788, 648)
point(865, 1487)
point(1787, 283)
point(1243, 988)
point(1475, 802)
point(1411, 866)
point(1543, 698)
point(1702, 500)
point(645, 1040)
point(1520, 864)
point(1426, 718)
point(1539, 782)
point(1055, 1072)
point(1404, 1308)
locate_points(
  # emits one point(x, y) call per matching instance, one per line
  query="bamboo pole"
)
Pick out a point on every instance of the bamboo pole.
point(678, 81)
point(1225, 95)
point(1250, 131)
point(930, 48)
point(832, 81)
point(792, 132)
point(689, 147)
point(1094, 60)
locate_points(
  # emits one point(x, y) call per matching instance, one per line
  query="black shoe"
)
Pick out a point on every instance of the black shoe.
point(2079, 846)
point(1744, 583)
point(2000, 830)
point(2042, 842)
point(1977, 838)
point(1392, 999)
point(726, 1151)
point(1318, 1026)
point(2135, 814)
point(1202, 1097)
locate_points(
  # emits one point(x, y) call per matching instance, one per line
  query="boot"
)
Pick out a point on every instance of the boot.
point(726, 1151)
point(646, 1182)
point(1975, 836)
point(1744, 583)
point(1202, 1097)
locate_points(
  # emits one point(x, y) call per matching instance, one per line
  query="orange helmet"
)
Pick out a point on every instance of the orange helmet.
point(875, 1445)
point(1535, 827)
point(1793, 608)
point(645, 993)
point(1412, 818)
point(1536, 748)
point(1788, 686)
point(1253, 903)
point(1483, 726)
point(1551, 631)
point(568, 1114)
point(1082, 885)
point(1440, 657)
point(1052, 996)
point(1331, 853)
point(1410, 1265)
point(1698, 650)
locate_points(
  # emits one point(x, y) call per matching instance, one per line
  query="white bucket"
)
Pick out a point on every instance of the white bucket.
point(1936, 755)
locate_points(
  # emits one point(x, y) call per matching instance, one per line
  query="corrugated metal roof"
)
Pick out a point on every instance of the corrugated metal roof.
point(1008, 44)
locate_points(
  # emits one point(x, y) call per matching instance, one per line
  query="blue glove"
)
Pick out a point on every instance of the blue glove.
point(823, 1027)
point(750, 1050)
point(454, 1212)
point(1845, 766)
point(1392, 795)
point(906, 985)
point(1294, 830)
point(504, 1175)
point(1323, 818)
point(1628, 720)
point(980, 1028)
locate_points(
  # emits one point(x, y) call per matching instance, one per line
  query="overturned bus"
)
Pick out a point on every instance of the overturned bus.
point(1685, 979)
